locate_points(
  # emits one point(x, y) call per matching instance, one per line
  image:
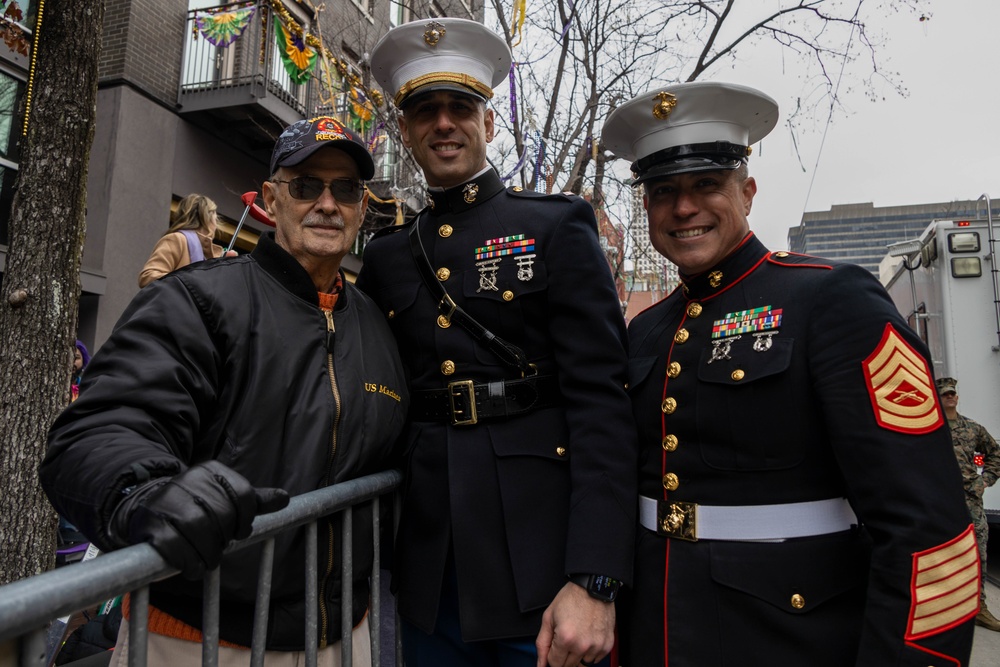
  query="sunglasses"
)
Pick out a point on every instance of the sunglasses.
point(309, 188)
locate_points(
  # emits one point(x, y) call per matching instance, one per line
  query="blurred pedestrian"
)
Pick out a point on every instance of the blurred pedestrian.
point(81, 357)
point(970, 439)
point(188, 240)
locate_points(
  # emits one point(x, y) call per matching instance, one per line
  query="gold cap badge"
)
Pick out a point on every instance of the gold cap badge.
point(434, 33)
point(665, 103)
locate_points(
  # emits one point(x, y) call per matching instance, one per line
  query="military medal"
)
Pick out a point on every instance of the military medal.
point(524, 270)
point(720, 348)
point(762, 319)
point(505, 245)
point(763, 341)
point(488, 274)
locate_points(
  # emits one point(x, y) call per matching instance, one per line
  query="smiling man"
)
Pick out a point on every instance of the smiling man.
point(799, 502)
point(518, 509)
point(228, 386)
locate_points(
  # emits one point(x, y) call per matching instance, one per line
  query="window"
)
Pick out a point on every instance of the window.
point(399, 12)
point(366, 6)
point(10, 135)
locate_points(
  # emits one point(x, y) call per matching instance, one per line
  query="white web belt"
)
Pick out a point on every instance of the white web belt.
point(690, 521)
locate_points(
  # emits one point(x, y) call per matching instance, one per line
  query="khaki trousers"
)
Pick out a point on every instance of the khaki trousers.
point(163, 651)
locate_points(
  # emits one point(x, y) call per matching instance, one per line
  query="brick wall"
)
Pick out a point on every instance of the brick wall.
point(143, 44)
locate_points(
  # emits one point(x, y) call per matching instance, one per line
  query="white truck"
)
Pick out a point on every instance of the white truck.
point(947, 284)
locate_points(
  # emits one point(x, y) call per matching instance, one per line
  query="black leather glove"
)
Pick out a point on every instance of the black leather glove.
point(191, 518)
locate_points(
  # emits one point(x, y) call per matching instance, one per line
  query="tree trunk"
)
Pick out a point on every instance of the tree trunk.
point(41, 285)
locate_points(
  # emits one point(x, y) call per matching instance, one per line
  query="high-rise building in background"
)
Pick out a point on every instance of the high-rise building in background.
point(652, 275)
point(859, 233)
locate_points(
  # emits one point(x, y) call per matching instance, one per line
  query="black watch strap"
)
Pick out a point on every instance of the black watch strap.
point(599, 586)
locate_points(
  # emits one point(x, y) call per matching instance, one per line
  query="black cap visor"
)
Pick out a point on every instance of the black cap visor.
point(689, 158)
point(432, 87)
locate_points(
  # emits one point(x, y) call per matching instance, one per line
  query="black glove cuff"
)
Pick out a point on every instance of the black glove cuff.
point(118, 528)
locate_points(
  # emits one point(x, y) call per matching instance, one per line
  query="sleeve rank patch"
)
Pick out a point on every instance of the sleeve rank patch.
point(944, 591)
point(900, 386)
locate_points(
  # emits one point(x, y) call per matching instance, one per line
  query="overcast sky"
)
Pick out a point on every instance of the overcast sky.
point(938, 144)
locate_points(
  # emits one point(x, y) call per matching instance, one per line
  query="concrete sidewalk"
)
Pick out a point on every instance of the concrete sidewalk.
point(986, 645)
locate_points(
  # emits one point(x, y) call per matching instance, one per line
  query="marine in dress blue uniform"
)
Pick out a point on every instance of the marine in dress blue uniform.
point(505, 507)
point(799, 504)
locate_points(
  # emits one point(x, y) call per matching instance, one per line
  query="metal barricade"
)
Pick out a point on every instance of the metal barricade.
point(27, 607)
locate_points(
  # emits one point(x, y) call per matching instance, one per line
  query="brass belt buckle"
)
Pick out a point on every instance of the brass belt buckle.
point(463, 389)
point(676, 520)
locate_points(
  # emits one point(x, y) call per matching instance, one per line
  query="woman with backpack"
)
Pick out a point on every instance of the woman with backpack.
point(188, 240)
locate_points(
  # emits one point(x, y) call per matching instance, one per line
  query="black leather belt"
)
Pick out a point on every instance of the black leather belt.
point(464, 403)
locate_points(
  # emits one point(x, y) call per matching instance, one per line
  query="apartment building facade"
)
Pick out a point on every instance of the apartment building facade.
point(180, 111)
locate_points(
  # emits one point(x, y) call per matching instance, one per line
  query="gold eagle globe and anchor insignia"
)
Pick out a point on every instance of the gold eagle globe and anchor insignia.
point(665, 103)
point(434, 33)
point(470, 192)
point(678, 520)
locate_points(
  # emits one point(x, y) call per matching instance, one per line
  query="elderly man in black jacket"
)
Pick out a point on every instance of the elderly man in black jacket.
point(228, 386)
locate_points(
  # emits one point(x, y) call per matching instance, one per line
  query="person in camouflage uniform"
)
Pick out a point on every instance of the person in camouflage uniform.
point(970, 438)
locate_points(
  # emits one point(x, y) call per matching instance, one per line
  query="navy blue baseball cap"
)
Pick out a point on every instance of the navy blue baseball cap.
point(302, 139)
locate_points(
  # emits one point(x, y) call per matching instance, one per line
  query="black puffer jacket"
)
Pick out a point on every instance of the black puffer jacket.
point(233, 360)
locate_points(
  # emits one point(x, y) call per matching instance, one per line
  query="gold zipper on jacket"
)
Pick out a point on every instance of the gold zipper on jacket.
point(324, 617)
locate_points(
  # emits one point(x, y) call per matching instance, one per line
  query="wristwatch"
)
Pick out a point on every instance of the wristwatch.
point(599, 586)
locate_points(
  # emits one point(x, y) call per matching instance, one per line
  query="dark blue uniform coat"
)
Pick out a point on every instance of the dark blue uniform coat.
point(839, 404)
point(522, 502)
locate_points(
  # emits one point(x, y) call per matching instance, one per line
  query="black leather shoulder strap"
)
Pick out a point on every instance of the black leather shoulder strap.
point(509, 354)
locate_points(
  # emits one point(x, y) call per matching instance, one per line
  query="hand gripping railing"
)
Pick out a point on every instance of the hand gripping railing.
point(28, 606)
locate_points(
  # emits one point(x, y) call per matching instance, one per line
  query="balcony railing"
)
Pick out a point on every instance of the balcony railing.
point(247, 71)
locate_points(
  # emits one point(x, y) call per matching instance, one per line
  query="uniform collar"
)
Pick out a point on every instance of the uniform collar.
point(467, 195)
point(726, 273)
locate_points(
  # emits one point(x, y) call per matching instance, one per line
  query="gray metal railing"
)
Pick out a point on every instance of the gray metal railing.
point(27, 607)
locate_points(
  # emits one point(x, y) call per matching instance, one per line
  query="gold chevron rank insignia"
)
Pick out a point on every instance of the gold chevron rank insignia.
point(900, 386)
point(944, 588)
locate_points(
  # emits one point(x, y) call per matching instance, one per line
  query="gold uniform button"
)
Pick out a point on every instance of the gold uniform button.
point(798, 601)
point(694, 309)
point(508, 295)
point(391, 314)
point(781, 254)
point(443, 322)
point(669, 405)
point(738, 375)
point(561, 451)
point(444, 231)
point(681, 336)
point(443, 274)
point(517, 188)
point(670, 442)
point(673, 370)
point(447, 367)
point(671, 482)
